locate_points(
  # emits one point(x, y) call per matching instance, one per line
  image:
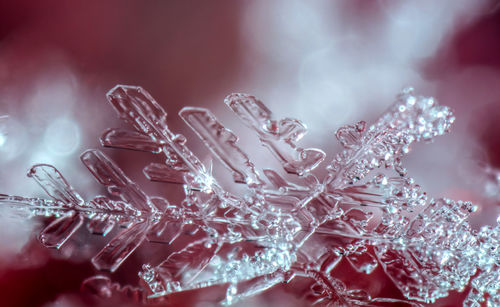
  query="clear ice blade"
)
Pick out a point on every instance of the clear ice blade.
point(139, 108)
point(222, 143)
point(54, 184)
point(165, 231)
point(126, 139)
point(60, 230)
point(111, 176)
point(124, 244)
point(164, 173)
point(193, 259)
point(279, 136)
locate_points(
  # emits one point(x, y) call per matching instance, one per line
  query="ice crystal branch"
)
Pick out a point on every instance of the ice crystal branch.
point(279, 230)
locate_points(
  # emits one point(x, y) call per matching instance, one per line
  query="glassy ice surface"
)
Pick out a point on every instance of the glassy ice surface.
point(366, 212)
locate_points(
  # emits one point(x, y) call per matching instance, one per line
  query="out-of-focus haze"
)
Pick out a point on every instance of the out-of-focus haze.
point(328, 63)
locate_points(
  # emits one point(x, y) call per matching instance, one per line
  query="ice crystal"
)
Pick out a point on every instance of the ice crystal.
point(281, 228)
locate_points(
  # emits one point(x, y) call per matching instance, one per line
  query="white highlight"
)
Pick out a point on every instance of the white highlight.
point(62, 137)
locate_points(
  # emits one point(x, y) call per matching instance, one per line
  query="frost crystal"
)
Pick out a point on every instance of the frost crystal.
point(279, 230)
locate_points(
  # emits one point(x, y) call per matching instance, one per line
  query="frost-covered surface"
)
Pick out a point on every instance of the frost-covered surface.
point(367, 210)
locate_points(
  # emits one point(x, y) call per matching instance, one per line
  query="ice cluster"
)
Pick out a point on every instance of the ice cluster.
point(366, 211)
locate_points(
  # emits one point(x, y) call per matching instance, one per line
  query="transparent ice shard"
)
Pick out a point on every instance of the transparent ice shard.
point(120, 138)
point(169, 225)
point(222, 143)
point(279, 136)
point(201, 265)
point(116, 251)
point(60, 230)
point(54, 184)
point(180, 270)
point(165, 173)
point(109, 175)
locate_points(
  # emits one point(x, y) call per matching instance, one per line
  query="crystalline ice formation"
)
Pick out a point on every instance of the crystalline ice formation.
point(279, 230)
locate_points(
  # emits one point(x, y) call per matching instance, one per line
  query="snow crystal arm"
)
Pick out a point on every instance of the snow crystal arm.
point(122, 246)
point(54, 184)
point(137, 107)
point(304, 227)
point(410, 119)
point(222, 143)
point(179, 271)
point(68, 206)
point(60, 230)
point(30, 207)
point(111, 176)
point(106, 213)
point(279, 136)
point(201, 265)
point(119, 138)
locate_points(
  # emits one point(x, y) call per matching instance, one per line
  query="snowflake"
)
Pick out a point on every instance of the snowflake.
point(278, 230)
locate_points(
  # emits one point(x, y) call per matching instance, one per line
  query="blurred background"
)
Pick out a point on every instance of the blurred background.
point(328, 63)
